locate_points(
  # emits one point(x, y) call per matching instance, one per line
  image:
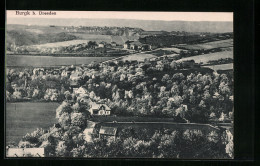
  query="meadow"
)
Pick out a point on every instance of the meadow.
point(25, 117)
point(49, 61)
point(228, 66)
point(59, 44)
point(137, 57)
point(93, 37)
point(210, 45)
point(209, 57)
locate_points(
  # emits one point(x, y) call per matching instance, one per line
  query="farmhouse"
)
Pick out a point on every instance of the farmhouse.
point(99, 109)
point(102, 44)
point(127, 44)
point(105, 132)
point(136, 45)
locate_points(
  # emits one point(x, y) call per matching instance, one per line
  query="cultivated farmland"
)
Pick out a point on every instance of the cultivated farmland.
point(221, 67)
point(138, 57)
point(49, 61)
point(209, 45)
point(93, 37)
point(209, 57)
point(59, 44)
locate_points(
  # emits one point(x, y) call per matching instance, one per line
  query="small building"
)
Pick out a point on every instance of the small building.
point(81, 90)
point(113, 44)
point(102, 44)
point(146, 47)
point(75, 76)
point(127, 44)
point(136, 45)
point(105, 132)
point(99, 109)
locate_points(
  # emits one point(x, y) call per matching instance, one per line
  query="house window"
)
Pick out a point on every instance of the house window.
point(95, 111)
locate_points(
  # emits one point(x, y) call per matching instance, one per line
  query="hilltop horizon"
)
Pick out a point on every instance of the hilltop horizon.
point(147, 25)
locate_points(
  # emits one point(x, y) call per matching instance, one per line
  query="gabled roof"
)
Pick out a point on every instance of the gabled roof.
point(108, 130)
point(136, 43)
point(97, 106)
point(102, 42)
point(128, 42)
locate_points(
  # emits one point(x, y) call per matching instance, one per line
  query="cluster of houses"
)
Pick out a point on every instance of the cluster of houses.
point(107, 45)
point(130, 45)
point(136, 45)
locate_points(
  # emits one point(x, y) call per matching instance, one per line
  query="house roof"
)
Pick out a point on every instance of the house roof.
point(137, 43)
point(81, 89)
point(128, 42)
point(97, 106)
point(107, 130)
point(102, 42)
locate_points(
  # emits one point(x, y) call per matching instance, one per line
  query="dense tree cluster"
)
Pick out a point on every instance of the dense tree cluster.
point(131, 89)
point(144, 89)
point(33, 84)
point(68, 141)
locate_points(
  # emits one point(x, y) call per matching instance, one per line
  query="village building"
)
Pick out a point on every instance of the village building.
point(105, 132)
point(102, 44)
point(136, 45)
point(99, 109)
point(127, 44)
point(113, 44)
point(75, 75)
point(80, 91)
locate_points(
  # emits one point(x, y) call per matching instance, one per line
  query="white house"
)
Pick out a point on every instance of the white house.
point(99, 109)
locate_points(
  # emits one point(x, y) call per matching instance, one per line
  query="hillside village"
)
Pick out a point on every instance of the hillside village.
point(161, 93)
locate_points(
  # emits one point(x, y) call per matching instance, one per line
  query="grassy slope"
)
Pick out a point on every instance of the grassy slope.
point(46, 61)
point(207, 57)
point(138, 57)
point(210, 45)
point(25, 37)
point(228, 66)
point(27, 117)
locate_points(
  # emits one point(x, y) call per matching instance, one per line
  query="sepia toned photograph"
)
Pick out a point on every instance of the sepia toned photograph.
point(110, 84)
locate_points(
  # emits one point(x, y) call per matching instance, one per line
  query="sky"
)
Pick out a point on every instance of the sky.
point(164, 16)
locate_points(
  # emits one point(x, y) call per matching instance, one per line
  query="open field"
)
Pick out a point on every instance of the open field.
point(47, 61)
point(221, 67)
point(209, 57)
point(138, 57)
point(59, 44)
point(210, 45)
point(177, 50)
point(25, 117)
point(93, 37)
